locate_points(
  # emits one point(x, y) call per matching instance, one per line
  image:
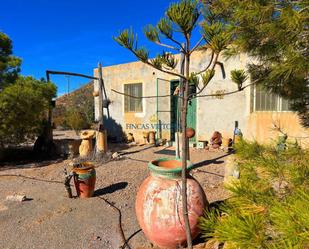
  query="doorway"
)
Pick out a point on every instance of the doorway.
point(191, 115)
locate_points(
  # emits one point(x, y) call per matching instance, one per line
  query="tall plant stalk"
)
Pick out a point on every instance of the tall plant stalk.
point(184, 151)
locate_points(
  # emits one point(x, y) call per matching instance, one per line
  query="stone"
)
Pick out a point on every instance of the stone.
point(19, 198)
point(115, 155)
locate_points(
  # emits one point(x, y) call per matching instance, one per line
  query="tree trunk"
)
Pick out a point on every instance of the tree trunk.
point(180, 102)
point(184, 151)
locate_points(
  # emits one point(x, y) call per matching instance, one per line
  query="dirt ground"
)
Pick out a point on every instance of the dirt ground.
point(48, 219)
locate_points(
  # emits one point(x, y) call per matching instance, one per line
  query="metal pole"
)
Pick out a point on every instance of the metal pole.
point(157, 114)
point(100, 74)
point(68, 84)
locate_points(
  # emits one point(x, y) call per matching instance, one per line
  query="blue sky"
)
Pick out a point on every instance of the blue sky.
point(73, 35)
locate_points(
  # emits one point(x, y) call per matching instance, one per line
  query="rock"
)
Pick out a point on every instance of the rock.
point(18, 198)
point(115, 155)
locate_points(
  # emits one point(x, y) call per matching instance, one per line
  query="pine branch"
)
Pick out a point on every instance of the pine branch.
point(197, 44)
point(128, 40)
point(166, 30)
point(212, 69)
point(223, 94)
point(168, 46)
point(152, 34)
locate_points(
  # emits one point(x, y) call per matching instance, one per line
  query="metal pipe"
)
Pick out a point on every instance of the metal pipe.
point(48, 72)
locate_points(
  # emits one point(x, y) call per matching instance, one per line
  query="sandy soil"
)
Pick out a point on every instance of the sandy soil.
point(48, 219)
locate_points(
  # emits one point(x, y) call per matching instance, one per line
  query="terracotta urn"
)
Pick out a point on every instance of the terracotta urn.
point(84, 179)
point(86, 146)
point(190, 132)
point(159, 204)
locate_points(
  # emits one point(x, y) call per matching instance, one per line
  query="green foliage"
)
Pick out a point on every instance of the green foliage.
point(79, 103)
point(9, 65)
point(165, 27)
point(216, 33)
point(207, 76)
point(151, 33)
point(239, 77)
point(23, 108)
point(83, 102)
point(76, 120)
point(194, 80)
point(276, 34)
point(184, 15)
point(181, 17)
point(269, 203)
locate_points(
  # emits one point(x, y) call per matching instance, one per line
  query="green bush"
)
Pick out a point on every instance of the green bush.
point(269, 204)
point(23, 109)
point(75, 120)
point(79, 103)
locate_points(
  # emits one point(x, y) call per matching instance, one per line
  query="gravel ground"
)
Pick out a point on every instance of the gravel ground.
point(48, 219)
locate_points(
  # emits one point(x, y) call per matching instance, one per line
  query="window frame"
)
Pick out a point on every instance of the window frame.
point(127, 97)
point(279, 103)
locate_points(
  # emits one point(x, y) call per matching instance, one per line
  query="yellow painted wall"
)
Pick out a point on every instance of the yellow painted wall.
point(261, 127)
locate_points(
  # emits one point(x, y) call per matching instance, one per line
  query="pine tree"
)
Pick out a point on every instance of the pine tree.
point(181, 19)
point(276, 34)
point(23, 108)
point(9, 64)
point(269, 204)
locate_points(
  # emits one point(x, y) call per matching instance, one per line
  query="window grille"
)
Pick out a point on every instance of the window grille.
point(133, 104)
point(266, 101)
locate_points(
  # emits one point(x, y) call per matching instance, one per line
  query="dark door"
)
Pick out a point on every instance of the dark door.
point(191, 115)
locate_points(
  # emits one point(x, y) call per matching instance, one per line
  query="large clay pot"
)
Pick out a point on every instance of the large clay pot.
point(84, 180)
point(159, 204)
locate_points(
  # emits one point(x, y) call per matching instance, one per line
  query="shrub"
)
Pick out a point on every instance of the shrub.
point(80, 102)
point(75, 120)
point(23, 109)
point(269, 203)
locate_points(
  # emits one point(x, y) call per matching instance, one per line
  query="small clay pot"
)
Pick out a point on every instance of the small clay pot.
point(190, 132)
point(84, 180)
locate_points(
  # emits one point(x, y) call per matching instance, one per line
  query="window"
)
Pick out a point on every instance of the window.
point(265, 101)
point(133, 104)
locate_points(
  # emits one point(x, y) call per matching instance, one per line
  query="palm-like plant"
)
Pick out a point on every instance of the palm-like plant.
point(239, 77)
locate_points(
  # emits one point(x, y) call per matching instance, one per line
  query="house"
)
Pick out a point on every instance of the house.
point(255, 111)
